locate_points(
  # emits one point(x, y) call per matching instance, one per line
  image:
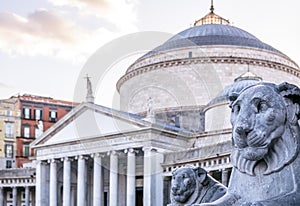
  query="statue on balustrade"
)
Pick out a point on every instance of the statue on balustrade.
point(192, 185)
point(265, 156)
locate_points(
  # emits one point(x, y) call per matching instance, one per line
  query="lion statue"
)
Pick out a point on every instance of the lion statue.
point(265, 156)
point(192, 185)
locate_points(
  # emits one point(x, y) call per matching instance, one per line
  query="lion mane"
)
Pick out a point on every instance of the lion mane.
point(277, 140)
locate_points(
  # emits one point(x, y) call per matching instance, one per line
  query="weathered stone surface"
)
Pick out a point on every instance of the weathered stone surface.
point(266, 147)
point(193, 185)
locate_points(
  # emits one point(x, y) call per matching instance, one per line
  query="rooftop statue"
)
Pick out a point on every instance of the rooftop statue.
point(193, 185)
point(265, 157)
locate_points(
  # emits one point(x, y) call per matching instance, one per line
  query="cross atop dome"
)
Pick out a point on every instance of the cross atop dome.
point(211, 18)
point(212, 6)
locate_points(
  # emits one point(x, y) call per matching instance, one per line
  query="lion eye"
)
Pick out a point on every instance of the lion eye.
point(236, 109)
point(262, 106)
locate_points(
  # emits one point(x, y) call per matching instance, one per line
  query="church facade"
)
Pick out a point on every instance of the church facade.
point(174, 112)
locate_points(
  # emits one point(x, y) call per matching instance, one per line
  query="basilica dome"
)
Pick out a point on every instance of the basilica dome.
point(212, 34)
point(185, 76)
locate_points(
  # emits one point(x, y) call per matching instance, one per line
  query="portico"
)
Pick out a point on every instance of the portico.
point(104, 164)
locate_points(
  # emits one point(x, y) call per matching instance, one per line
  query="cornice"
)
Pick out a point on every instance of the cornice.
point(204, 60)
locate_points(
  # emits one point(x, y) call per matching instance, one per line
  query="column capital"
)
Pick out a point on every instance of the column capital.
point(112, 152)
point(94, 155)
point(82, 157)
point(65, 159)
point(43, 162)
point(149, 149)
point(52, 160)
point(130, 150)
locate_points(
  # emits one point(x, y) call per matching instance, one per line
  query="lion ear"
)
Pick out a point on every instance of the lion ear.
point(291, 95)
point(201, 174)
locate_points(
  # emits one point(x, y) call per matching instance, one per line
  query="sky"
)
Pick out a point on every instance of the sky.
point(45, 45)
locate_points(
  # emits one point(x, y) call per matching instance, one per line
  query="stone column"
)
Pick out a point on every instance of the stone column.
point(27, 196)
point(147, 177)
point(130, 197)
point(1, 196)
point(53, 183)
point(153, 180)
point(98, 182)
point(81, 180)
point(38, 183)
point(67, 182)
point(32, 196)
point(15, 196)
point(73, 196)
point(40, 194)
point(225, 177)
point(113, 179)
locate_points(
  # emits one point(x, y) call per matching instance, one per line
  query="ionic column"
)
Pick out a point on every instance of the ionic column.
point(27, 196)
point(53, 183)
point(147, 176)
point(1, 196)
point(130, 199)
point(81, 179)
point(153, 180)
point(41, 184)
point(113, 179)
point(15, 196)
point(67, 182)
point(98, 182)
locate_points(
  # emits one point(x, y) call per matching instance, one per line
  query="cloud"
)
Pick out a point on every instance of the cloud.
point(64, 32)
point(39, 32)
point(122, 13)
point(49, 33)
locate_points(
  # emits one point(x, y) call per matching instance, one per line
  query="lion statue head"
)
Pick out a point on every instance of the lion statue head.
point(265, 126)
point(183, 184)
point(192, 185)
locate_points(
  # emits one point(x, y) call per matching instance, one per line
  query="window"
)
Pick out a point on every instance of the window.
point(26, 149)
point(38, 114)
point(9, 150)
point(8, 112)
point(52, 116)
point(26, 113)
point(8, 164)
point(26, 131)
point(9, 129)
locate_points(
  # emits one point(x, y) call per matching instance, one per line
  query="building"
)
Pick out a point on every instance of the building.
point(17, 187)
point(10, 124)
point(23, 118)
point(37, 115)
point(174, 103)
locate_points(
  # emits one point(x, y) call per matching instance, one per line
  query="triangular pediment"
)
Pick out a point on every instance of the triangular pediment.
point(90, 121)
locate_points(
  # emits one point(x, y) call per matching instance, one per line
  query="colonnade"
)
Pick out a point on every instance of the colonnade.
point(151, 177)
point(16, 195)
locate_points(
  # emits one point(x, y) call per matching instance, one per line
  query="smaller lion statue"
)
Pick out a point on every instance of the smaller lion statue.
point(192, 185)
